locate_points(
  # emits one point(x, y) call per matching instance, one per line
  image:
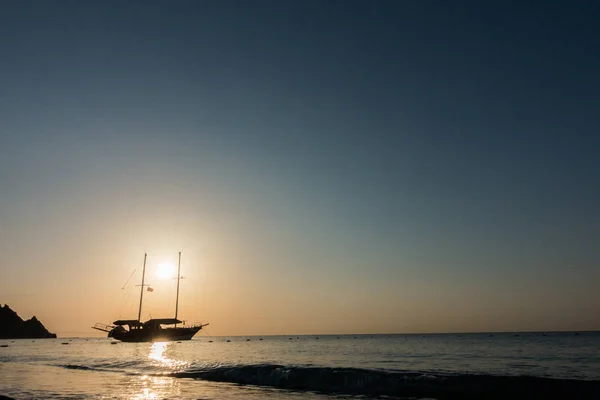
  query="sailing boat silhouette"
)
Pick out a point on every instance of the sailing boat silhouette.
point(134, 330)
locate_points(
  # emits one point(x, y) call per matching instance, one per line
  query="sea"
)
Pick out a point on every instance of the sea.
point(316, 367)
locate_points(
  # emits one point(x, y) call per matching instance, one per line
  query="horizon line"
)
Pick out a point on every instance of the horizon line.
point(368, 334)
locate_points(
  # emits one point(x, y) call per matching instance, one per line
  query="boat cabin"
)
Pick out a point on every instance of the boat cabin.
point(151, 324)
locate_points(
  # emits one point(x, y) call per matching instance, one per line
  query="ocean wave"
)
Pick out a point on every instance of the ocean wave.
point(368, 382)
point(103, 366)
point(395, 384)
point(80, 367)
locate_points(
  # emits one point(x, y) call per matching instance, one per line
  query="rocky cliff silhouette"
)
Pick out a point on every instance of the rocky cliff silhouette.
point(13, 327)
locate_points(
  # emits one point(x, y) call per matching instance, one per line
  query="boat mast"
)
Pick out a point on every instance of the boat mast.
point(178, 278)
point(142, 289)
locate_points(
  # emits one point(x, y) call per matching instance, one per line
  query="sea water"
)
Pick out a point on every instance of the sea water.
point(501, 365)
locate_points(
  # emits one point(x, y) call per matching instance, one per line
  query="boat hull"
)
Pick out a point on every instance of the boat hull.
point(162, 335)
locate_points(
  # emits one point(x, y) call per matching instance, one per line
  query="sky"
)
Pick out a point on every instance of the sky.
point(323, 166)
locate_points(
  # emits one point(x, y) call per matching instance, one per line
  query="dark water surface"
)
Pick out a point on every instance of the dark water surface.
point(448, 366)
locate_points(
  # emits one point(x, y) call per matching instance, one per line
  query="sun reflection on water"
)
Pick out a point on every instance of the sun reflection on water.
point(158, 354)
point(152, 387)
point(159, 387)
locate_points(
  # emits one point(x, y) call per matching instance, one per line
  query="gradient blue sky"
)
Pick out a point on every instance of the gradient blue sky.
point(326, 166)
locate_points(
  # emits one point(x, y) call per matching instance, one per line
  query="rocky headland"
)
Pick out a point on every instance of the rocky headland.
point(13, 327)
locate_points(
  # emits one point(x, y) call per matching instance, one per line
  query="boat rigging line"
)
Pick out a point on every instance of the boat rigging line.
point(128, 279)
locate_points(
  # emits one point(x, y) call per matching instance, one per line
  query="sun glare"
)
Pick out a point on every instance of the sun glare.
point(165, 271)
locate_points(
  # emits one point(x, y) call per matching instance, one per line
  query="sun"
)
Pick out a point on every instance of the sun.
point(164, 271)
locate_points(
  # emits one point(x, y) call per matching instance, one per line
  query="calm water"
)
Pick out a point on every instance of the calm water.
point(330, 367)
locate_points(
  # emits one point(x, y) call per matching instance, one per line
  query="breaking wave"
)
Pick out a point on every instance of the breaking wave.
point(390, 383)
point(368, 382)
